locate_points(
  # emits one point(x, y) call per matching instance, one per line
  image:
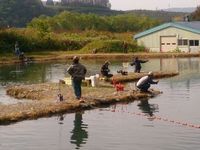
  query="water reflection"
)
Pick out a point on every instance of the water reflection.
point(48, 72)
point(61, 119)
point(79, 132)
point(23, 73)
point(147, 108)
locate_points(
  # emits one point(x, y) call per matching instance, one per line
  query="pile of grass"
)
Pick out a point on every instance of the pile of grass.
point(136, 76)
point(99, 96)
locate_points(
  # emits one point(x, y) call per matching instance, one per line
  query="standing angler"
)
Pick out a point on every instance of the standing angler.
point(77, 72)
point(137, 62)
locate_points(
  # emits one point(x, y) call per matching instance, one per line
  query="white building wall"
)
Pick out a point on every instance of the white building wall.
point(152, 41)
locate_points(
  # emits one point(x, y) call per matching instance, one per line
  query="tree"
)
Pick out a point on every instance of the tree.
point(49, 2)
point(68, 21)
point(196, 14)
point(19, 12)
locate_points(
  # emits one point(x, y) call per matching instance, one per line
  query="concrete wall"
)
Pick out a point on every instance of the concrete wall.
point(152, 41)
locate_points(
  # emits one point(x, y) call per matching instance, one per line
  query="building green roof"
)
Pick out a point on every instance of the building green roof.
point(188, 26)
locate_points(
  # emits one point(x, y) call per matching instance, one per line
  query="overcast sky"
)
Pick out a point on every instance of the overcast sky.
point(152, 4)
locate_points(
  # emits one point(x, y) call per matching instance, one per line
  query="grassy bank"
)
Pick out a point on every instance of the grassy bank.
point(32, 40)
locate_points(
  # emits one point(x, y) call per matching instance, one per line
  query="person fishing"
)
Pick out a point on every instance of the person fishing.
point(77, 72)
point(137, 62)
point(105, 70)
point(17, 51)
point(145, 82)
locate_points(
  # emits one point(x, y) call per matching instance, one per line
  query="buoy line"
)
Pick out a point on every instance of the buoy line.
point(164, 119)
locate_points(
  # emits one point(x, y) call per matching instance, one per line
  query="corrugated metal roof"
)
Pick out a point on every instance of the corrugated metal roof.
point(193, 26)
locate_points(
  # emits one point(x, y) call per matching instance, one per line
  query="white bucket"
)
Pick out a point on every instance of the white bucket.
point(94, 80)
point(68, 81)
point(125, 64)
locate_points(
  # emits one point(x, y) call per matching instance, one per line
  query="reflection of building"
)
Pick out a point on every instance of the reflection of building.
point(186, 65)
point(79, 133)
point(169, 64)
point(173, 36)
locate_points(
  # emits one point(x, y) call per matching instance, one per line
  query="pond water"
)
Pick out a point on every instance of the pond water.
point(174, 114)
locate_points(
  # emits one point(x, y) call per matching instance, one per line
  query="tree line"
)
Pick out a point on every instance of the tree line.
point(70, 21)
point(17, 13)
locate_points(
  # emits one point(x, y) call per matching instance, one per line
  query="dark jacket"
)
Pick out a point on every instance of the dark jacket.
point(77, 71)
point(105, 70)
point(137, 63)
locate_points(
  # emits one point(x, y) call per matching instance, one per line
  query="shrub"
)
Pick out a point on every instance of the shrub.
point(110, 46)
point(31, 40)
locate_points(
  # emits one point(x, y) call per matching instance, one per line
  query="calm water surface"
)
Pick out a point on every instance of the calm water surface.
point(116, 127)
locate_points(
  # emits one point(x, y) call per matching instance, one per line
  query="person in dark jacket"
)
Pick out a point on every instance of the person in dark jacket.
point(105, 70)
point(145, 82)
point(17, 51)
point(137, 62)
point(77, 72)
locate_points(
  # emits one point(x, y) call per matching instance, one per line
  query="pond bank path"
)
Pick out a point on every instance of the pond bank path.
point(63, 56)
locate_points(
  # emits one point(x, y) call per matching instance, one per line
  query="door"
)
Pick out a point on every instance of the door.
point(168, 43)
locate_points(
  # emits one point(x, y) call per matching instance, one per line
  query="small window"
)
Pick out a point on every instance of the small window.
point(163, 43)
point(173, 43)
point(185, 42)
point(182, 42)
point(194, 42)
point(191, 42)
point(168, 43)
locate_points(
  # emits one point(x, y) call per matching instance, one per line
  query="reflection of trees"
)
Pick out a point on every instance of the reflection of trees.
point(148, 108)
point(79, 133)
point(32, 73)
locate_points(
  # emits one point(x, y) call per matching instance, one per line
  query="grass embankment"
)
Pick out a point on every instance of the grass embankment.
point(33, 40)
point(50, 46)
point(41, 46)
point(44, 104)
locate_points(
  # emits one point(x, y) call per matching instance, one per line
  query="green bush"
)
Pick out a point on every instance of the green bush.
point(32, 40)
point(70, 21)
point(110, 46)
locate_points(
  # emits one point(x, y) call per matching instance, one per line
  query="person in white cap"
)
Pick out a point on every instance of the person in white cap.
point(145, 82)
point(77, 72)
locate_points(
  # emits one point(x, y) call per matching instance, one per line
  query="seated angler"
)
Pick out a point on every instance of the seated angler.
point(105, 70)
point(145, 82)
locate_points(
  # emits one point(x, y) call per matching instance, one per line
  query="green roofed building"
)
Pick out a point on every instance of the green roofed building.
point(169, 37)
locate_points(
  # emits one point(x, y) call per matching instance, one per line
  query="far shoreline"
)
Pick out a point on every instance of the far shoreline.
point(63, 55)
